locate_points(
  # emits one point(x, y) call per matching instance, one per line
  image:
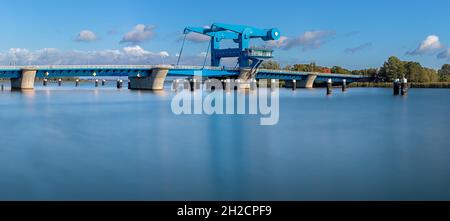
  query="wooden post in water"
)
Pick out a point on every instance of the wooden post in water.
point(192, 84)
point(237, 85)
point(175, 85)
point(404, 90)
point(228, 85)
point(197, 84)
point(225, 84)
point(396, 87)
point(272, 84)
point(119, 84)
point(186, 84)
point(209, 85)
point(329, 87)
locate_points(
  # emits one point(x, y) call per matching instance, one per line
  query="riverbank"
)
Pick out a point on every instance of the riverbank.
point(411, 85)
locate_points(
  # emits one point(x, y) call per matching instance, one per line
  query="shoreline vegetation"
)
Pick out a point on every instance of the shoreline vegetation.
point(410, 85)
point(393, 68)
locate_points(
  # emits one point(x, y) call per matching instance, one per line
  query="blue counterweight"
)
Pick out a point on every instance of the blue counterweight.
point(248, 56)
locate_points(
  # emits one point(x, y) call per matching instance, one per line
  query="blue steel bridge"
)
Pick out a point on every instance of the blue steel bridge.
point(8, 72)
point(161, 71)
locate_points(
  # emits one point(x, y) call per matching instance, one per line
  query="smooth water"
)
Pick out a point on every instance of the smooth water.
point(66, 143)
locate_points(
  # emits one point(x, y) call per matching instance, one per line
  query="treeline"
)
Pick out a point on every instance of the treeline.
point(395, 68)
point(312, 67)
point(392, 69)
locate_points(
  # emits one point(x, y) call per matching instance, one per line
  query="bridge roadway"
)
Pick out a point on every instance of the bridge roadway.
point(152, 76)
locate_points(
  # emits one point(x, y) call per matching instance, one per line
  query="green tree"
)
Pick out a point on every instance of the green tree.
point(393, 68)
point(413, 71)
point(302, 67)
point(271, 64)
point(371, 72)
point(444, 73)
point(428, 75)
point(287, 68)
point(340, 70)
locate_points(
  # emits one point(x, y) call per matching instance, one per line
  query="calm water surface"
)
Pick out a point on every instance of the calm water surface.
point(106, 144)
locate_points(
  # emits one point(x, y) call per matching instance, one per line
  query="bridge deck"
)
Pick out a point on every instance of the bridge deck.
point(146, 70)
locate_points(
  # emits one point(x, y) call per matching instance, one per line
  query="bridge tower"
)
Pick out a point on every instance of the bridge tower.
point(249, 57)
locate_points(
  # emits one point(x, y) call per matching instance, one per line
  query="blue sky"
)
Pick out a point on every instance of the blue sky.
point(353, 34)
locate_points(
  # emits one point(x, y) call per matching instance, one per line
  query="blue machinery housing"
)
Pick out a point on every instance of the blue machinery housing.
point(248, 57)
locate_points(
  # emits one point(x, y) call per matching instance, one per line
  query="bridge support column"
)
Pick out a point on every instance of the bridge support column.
point(291, 84)
point(25, 81)
point(308, 82)
point(245, 78)
point(153, 82)
point(253, 84)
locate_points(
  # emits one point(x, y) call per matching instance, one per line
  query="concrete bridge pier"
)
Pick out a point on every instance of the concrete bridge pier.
point(155, 81)
point(305, 83)
point(245, 78)
point(25, 81)
point(246, 74)
point(308, 82)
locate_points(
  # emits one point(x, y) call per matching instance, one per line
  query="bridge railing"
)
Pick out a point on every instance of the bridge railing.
point(204, 67)
point(109, 67)
point(9, 67)
point(85, 67)
point(303, 72)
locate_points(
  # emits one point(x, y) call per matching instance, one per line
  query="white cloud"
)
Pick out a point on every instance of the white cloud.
point(86, 36)
point(428, 46)
point(444, 55)
point(164, 54)
point(51, 56)
point(310, 40)
point(127, 55)
point(139, 34)
point(138, 51)
point(197, 38)
point(306, 41)
point(135, 51)
point(280, 43)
